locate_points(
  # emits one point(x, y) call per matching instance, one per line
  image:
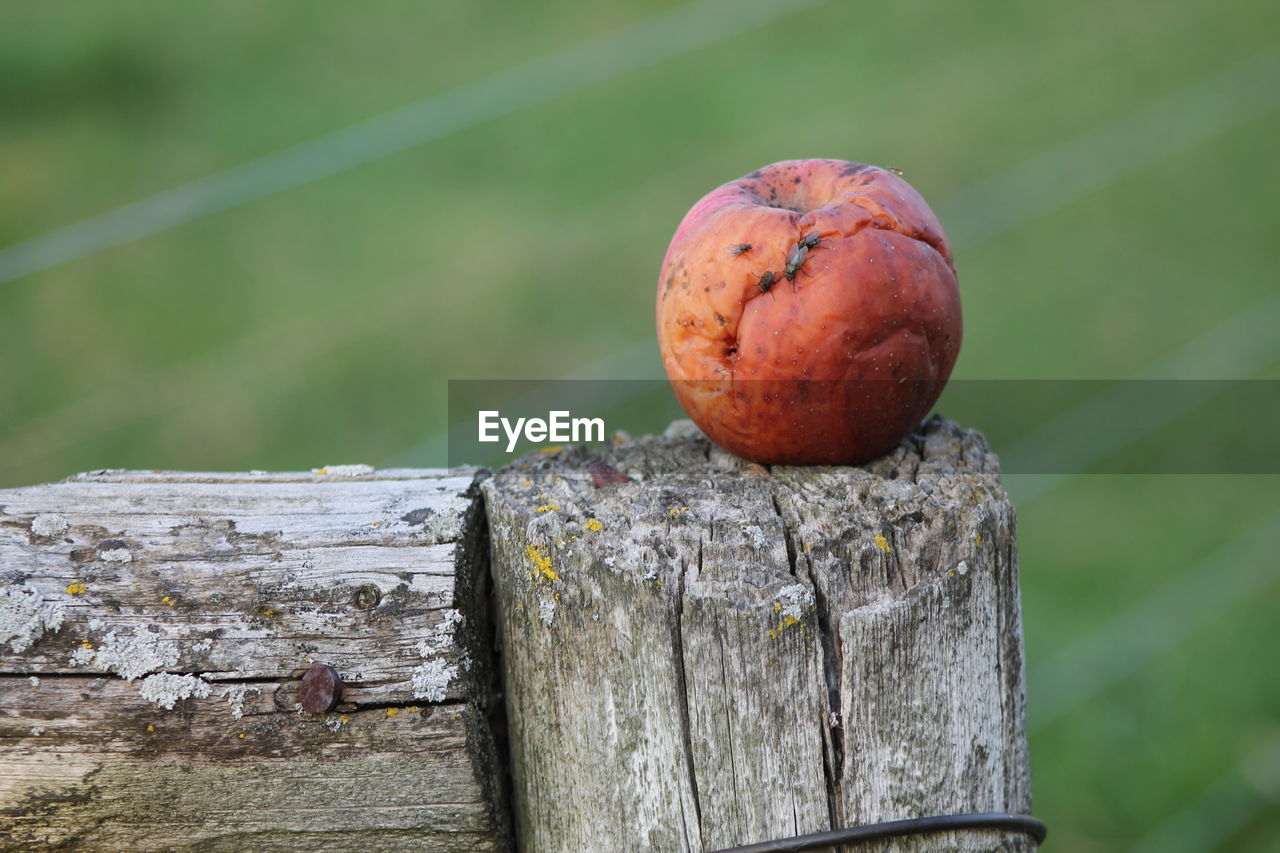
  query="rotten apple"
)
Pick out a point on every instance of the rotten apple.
point(808, 313)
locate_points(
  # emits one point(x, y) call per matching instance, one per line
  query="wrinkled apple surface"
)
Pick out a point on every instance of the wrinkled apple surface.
point(808, 313)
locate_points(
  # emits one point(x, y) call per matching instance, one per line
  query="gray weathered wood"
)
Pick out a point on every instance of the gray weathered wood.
point(153, 628)
point(714, 653)
point(717, 653)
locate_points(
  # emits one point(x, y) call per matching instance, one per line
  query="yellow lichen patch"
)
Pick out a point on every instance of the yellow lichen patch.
point(85, 642)
point(322, 472)
point(375, 523)
point(977, 541)
point(165, 599)
point(541, 563)
point(777, 607)
point(76, 588)
point(268, 613)
point(413, 709)
point(882, 543)
point(807, 546)
point(555, 448)
point(676, 512)
point(548, 508)
point(527, 483)
point(240, 735)
point(787, 622)
point(344, 719)
point(391, 712)
point(150, 727)
point(594, 525)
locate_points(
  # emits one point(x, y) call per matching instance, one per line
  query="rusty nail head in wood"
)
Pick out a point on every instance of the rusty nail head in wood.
point(320, 689)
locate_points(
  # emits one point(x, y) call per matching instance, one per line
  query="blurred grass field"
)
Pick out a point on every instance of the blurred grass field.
point(321, 324)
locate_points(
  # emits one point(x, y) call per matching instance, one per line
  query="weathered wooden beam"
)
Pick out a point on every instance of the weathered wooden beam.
point(153, 630)
point(698, 652)
point(714, 653)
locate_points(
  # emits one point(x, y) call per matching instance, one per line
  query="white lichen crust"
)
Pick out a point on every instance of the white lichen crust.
point(25, 616)
point(49, 525)
point(166, 690)
point(128, 655)
point(432, 679)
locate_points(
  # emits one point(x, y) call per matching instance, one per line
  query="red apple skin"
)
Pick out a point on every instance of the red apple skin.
point(835, 366)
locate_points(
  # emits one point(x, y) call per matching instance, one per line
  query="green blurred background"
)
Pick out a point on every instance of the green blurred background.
point(1107, 171)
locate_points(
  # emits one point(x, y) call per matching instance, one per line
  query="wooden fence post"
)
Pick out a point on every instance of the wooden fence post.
point(713, 653)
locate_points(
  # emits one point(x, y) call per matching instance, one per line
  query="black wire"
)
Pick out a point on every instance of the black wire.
point(897, 828)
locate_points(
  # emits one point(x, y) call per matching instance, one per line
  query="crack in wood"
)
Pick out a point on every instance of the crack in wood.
point(682, 693)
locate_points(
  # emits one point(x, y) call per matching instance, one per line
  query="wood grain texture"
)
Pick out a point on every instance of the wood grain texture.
point(716, 653)
point(153, 628)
